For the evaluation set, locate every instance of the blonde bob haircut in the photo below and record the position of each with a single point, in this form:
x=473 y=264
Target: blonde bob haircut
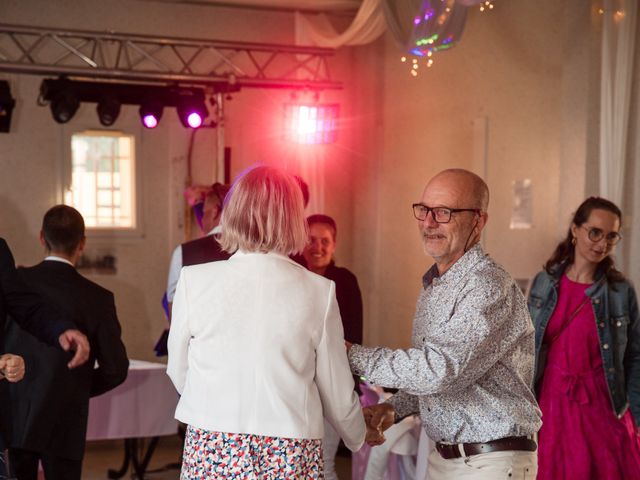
x=263 y=212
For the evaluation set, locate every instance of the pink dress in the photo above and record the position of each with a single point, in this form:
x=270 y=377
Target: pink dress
x=581 y=437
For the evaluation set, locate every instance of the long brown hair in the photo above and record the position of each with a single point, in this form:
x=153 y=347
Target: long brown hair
x=565 y=252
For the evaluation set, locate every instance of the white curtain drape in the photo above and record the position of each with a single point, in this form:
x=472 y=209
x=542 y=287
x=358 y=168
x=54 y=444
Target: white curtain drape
x=368 y=24
x=618 y=49
x=618 y=46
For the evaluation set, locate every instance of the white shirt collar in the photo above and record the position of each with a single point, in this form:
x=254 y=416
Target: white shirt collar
x=55 y=258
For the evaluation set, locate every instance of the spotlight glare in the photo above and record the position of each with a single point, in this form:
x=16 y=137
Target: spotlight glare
x=150 y=113
x=311 y=124
x=191 y=109
x=150 y=121
x=194 y=120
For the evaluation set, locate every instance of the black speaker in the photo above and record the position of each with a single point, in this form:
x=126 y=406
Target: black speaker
x=6 y=106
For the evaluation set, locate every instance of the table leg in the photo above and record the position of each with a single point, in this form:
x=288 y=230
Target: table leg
x=130 y=445
x=141 y=467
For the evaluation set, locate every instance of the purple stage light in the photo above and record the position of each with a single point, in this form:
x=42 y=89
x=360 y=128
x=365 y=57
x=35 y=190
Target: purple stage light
x=150 y=121
x=194 y=120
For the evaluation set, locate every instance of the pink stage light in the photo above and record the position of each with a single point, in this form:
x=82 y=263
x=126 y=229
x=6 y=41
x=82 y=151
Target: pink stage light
x=194 y=120
x=150 y=121
x=311 y=124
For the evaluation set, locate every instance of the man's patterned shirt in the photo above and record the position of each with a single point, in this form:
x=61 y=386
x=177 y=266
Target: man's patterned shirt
x=470 y=369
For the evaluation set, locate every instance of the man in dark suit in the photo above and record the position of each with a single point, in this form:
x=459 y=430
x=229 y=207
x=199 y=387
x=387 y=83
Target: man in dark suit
x=51 y=405
x=34 y=315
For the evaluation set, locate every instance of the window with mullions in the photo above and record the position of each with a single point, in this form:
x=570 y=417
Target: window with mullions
x=103 y=179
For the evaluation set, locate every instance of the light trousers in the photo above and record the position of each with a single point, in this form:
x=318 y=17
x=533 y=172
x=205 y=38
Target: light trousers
x=330 y=443
x=510 y=465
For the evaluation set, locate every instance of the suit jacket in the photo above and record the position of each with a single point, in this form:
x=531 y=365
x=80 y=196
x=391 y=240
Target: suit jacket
x=25 y=306
x=50 y=405
x=256 y=346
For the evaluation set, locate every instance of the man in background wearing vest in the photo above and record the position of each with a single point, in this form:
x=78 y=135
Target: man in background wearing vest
x=201 y=250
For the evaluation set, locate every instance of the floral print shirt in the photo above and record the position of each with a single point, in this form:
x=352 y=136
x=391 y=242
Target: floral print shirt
x=470 y=369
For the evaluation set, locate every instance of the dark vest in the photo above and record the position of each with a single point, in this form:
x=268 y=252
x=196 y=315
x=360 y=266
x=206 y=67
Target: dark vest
x=202 y=250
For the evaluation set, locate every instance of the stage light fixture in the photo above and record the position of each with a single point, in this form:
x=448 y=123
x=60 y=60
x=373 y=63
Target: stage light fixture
x=64 y=106
x=108 y=110
x=7 y=103
x=150 y=113
x=191 y=109
x=65 y=95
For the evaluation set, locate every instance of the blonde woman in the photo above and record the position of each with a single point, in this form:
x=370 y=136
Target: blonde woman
x=256 y=346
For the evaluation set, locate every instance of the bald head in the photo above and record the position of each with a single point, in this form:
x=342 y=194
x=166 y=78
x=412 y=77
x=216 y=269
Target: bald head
x=471 y=190
x=466 y=196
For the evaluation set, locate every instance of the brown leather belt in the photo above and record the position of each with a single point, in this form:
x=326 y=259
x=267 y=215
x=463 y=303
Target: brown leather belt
x=447 y=451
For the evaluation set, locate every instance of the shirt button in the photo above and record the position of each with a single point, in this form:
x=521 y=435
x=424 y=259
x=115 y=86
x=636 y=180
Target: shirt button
x=601 y=324
x=605 y=346
x=596 y=301
x=428 y=409
x=618 y=323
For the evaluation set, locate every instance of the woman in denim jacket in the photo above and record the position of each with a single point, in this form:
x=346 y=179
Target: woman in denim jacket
x=588 y=353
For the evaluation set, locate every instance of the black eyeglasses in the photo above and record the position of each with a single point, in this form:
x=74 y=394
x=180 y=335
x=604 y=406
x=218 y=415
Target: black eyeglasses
x=439 y=214
x=597 y=234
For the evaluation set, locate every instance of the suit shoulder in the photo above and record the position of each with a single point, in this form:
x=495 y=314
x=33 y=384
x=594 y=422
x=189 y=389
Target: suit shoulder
x=94 y=288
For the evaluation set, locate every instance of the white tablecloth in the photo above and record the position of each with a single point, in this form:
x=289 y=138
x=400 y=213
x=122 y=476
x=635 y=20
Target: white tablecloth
x=143 y=406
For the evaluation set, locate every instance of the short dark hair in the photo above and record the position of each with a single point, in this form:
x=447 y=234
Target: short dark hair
x=63 y=229
x=324 y=219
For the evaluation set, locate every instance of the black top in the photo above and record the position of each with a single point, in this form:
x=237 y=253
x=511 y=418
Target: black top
x=348 y=296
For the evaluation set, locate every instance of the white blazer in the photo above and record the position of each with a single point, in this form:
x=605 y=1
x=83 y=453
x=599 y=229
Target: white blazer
x=256 y=346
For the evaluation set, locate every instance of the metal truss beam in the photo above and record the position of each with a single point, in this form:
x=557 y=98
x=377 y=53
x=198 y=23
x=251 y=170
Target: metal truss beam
x=145 y=58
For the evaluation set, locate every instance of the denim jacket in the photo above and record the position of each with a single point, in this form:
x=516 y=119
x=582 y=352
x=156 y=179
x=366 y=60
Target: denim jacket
x=615 y=308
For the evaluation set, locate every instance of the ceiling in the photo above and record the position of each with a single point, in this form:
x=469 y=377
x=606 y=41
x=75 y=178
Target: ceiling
x=284 y=5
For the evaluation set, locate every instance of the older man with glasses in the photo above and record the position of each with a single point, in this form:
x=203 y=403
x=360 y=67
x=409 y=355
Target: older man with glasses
x=470 y=368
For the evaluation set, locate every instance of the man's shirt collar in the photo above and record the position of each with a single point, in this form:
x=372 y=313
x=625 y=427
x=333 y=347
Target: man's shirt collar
x=457 y=270
x=55 y=258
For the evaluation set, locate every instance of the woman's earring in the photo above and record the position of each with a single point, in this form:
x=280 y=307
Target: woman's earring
x=573 y=241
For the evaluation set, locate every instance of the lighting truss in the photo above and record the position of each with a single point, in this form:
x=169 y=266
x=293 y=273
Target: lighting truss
x=45 y=51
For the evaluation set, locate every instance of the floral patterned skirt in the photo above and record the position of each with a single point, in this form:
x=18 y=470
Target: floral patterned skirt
x=239 y=456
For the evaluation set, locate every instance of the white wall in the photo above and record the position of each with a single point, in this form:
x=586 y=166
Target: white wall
x=519 y=87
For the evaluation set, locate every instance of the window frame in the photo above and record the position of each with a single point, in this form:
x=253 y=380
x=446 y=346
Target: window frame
x=132 y=233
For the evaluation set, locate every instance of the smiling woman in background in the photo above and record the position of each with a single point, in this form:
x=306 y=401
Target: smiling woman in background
x=256 y=346
x=318 y=257
x=588 y=345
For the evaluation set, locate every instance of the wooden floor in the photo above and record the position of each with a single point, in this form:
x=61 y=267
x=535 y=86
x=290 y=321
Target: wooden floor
x=104 y=455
